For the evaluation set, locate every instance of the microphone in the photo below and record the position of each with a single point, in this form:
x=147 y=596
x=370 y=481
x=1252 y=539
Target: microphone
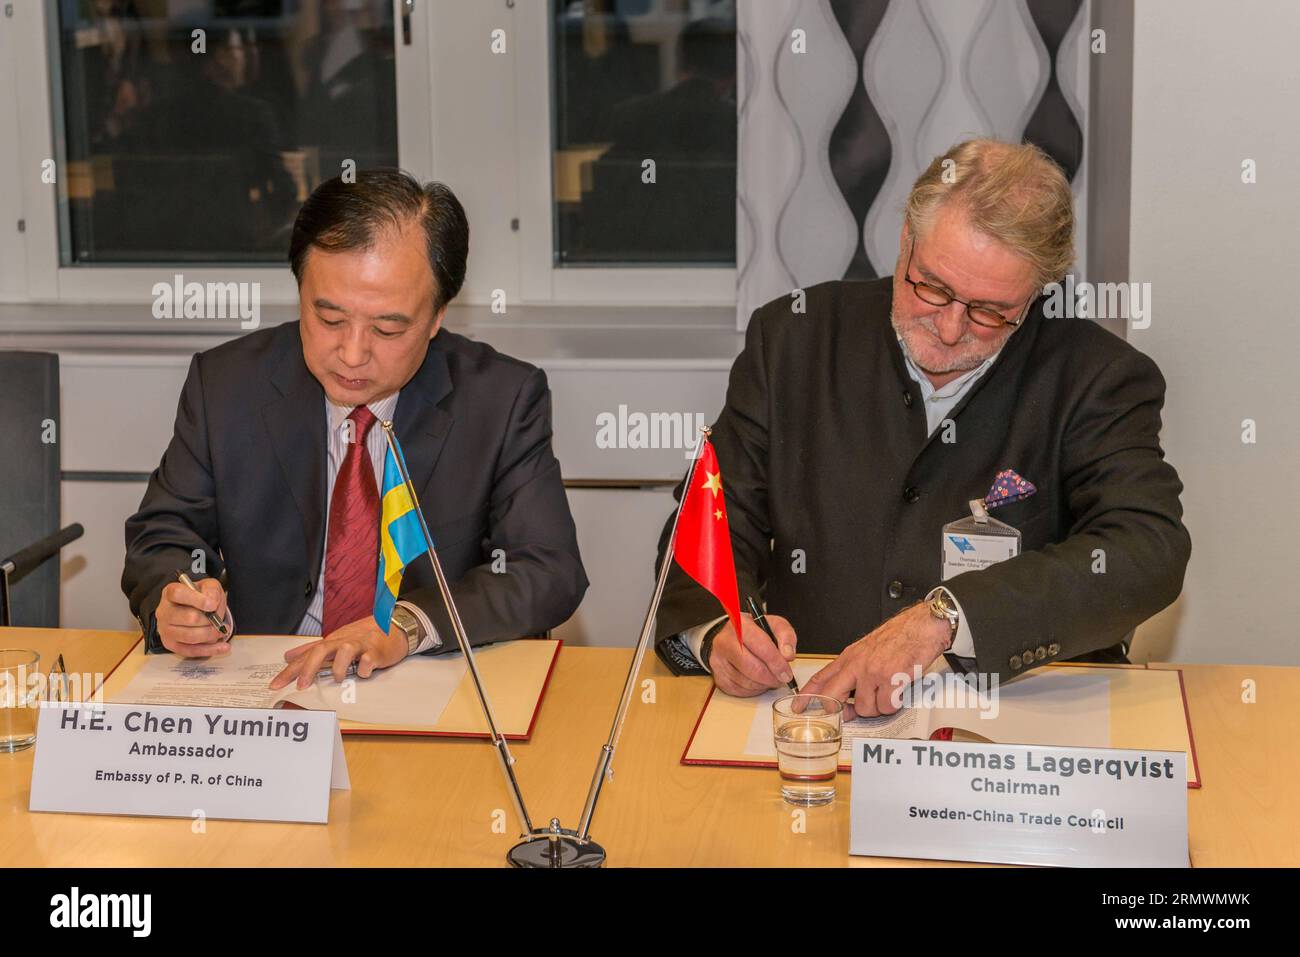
x=21 y=562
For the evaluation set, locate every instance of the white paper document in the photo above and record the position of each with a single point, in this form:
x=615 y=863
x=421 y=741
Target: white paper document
x=413 y=692
x=1060 y=707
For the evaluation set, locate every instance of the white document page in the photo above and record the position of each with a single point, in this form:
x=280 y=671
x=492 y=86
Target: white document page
x=1056 y=707
x=237 y=680
x=907 y=723
x=413 y=692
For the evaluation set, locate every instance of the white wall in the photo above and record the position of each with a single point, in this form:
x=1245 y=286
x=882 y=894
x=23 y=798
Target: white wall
x=1215 y=84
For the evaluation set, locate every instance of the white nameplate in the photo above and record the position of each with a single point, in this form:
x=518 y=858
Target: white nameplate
x=1018 y=804
x=235 y=763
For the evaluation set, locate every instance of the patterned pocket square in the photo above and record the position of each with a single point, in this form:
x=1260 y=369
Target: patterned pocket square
x=1009 y=486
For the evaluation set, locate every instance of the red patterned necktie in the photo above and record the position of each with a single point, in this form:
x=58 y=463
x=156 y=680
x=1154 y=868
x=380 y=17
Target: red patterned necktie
x=352 y=543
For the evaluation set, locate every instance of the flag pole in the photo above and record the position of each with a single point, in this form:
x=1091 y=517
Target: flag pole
x=564 y=848
x=458 y=628
x=603 y=764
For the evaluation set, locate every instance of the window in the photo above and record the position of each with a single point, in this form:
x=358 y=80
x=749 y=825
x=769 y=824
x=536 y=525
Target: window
x=192 y=135
x=170 y=160
x=644 y=115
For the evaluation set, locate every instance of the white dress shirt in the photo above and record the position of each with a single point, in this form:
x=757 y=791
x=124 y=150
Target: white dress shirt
x=938 y=404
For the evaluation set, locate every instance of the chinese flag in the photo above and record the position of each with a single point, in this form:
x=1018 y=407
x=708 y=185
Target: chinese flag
x=703 y=547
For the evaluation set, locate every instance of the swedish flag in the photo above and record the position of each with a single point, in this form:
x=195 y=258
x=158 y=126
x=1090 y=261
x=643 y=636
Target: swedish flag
x=400 y=540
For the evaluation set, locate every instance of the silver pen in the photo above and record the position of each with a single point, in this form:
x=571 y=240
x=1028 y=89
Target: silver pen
x=217 y=623
x=326 y=672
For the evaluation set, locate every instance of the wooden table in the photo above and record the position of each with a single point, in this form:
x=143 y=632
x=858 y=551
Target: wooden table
x=441 y=802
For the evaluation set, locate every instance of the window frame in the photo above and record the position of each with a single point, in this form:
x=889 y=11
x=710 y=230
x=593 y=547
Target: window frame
x=36 y=41
x=542 y=279
x=491 y=140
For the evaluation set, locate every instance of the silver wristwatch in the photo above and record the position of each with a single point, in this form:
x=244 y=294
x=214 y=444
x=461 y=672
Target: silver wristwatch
x=942 y=606
x=405 y=620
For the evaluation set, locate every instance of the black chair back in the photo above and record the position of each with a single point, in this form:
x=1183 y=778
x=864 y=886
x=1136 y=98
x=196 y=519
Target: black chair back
x=29 y=477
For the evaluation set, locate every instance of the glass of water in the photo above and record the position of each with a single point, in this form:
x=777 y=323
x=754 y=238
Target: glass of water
x=18 y=706
x=807 y=731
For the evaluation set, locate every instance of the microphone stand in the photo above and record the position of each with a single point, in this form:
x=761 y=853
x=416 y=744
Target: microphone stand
x=5 y=605
x=30 y=558
x=567 y=848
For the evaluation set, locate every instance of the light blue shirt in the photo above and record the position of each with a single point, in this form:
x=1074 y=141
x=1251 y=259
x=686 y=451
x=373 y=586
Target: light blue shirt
x=938 y=404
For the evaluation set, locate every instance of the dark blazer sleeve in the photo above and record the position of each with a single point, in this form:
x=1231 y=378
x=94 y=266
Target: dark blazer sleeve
x=1126 y=551
x=543 y=580
x=740 y=438
x=177 y=516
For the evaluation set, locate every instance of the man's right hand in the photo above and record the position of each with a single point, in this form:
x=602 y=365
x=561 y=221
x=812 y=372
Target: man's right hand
x=182 y=624
x=759 y=665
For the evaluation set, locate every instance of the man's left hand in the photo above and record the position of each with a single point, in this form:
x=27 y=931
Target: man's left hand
x=360 y=641
x=866 y=670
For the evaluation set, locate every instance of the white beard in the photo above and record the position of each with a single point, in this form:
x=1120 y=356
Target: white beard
x=920 y=339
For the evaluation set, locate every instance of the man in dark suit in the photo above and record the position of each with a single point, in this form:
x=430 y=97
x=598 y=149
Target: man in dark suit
x=854 y=433
x=270 y=484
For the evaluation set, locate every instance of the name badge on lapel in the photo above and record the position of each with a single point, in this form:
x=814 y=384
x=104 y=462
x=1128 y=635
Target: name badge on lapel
x=977 y=541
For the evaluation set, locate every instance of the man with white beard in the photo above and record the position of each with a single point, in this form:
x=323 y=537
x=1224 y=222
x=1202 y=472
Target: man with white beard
x=925 y=465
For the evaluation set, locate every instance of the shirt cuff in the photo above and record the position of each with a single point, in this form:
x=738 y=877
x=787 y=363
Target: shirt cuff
x=430 y=639
x=963 y=643
x=693 y=638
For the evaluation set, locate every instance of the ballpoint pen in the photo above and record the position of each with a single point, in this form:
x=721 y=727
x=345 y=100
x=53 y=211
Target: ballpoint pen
x=761 y=621
x=326 y=672
x=217 y=623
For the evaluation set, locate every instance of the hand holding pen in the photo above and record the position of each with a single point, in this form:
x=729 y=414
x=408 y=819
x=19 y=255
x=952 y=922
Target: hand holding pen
x=217 y=622
x=190 y=618
x=760 y=619
x=755 y=664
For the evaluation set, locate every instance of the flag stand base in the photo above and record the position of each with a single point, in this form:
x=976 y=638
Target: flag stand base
x=556 y=847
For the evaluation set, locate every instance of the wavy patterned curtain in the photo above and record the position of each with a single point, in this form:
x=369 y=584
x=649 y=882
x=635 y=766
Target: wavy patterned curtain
x=833 y=134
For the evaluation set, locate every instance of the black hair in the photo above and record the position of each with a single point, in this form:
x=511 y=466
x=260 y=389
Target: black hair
x=342 y=215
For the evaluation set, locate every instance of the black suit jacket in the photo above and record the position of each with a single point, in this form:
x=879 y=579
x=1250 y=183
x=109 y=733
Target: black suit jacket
x=824 y=449
x=244 y=481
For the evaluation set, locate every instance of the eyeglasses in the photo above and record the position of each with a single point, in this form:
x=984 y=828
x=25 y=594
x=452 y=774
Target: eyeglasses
x=938 y=296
